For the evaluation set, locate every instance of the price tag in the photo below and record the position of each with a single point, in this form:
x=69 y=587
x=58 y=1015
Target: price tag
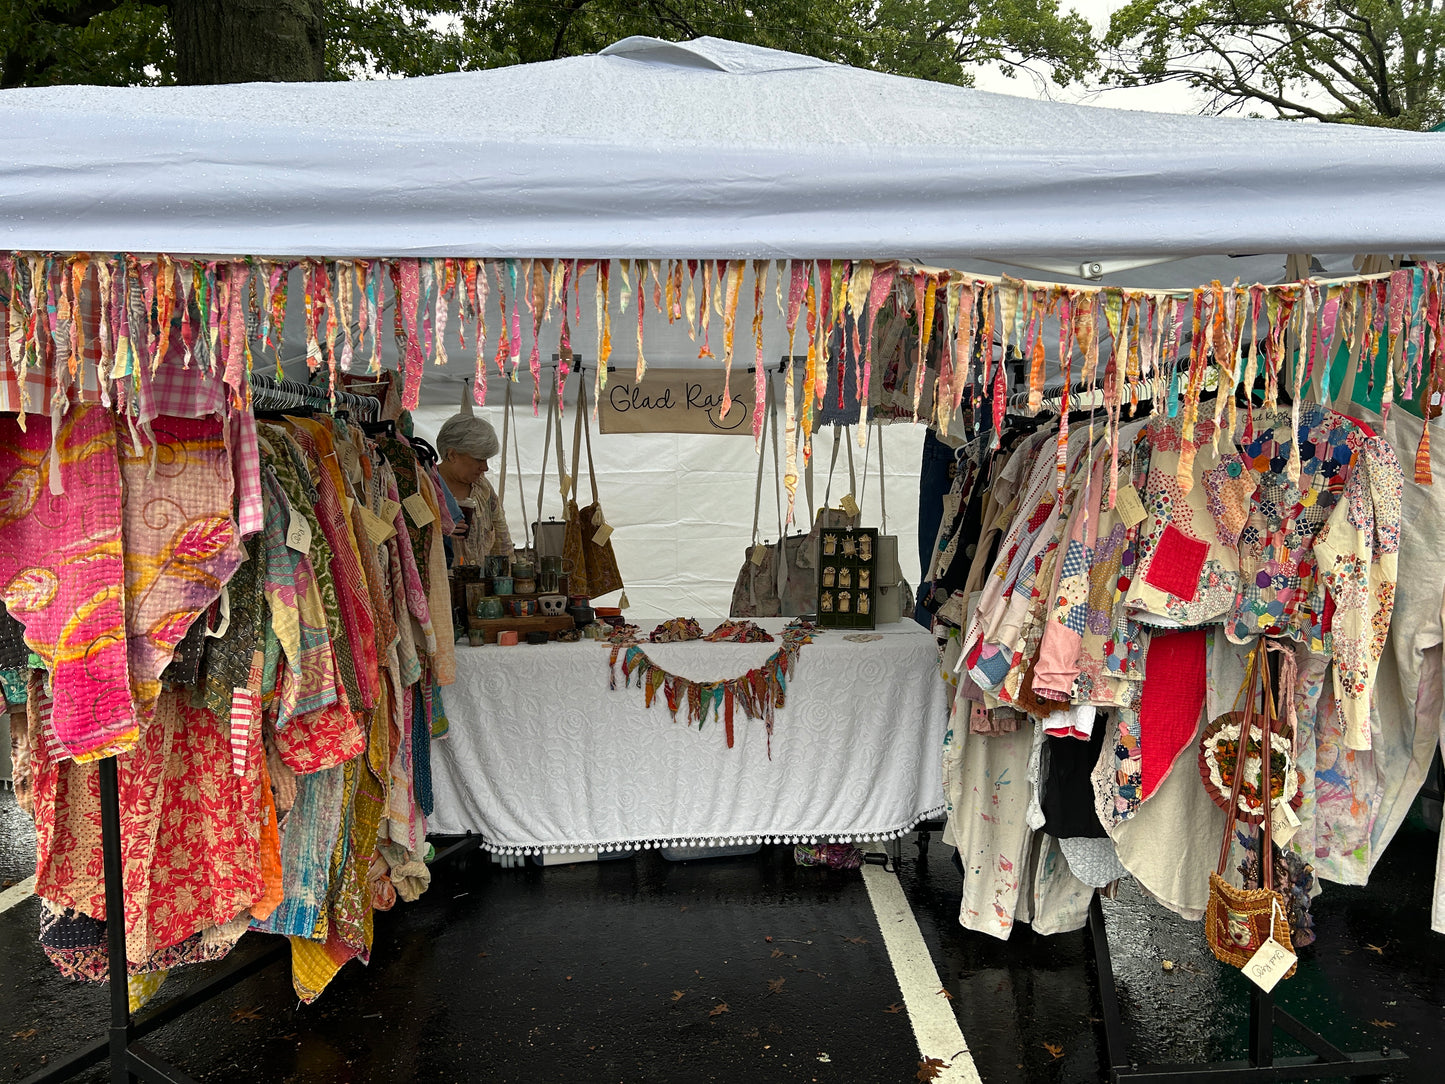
x=603 y=534
x=848 y=504
x=417 y=510
x=1284 y=824
x=298 y=533
x=566 y=484
x=1270 y=964
x=377 y=529
x=758 y=553
x=389 y=509
x=1131 y=508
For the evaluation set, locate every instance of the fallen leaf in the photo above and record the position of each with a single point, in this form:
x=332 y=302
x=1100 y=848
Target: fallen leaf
x=28 y=1033
x=894 y=1008
x=481 y=956
x=569 y=978
x=931 y=1068
x=1168 y=965
x=720 y=1007
x=823 y=1057
x=1383 y=1023
x=856 y=940
x=777 y=953
x=1379 y=949
x=769 y=940
x=240 y=1015
x=677 y=995
x=683 y=907
x=1054 y=1049
x=944 y=991
x=774 y=985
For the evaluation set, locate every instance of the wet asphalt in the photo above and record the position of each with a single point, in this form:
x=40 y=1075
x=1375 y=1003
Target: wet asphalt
x=751 y=968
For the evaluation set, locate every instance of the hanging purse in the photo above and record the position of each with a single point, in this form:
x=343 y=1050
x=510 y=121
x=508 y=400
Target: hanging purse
x=766 y=576
x=589 y=537
x=524 y=552
x=1249 y=927
x=895 y=596
x=549 y=536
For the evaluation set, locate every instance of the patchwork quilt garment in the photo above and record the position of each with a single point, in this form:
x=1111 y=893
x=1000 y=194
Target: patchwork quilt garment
x=62 y=574
x=181 y=543
x=192 y=826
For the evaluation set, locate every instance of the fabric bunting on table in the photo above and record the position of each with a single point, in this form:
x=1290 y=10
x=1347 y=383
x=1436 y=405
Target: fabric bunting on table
x=759 y=692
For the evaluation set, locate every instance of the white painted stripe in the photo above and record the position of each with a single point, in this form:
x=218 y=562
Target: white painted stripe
x=934 y=1024
x=16 y=894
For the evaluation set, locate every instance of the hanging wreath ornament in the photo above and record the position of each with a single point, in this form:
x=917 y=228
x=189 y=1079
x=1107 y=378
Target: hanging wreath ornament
x=1219 y=749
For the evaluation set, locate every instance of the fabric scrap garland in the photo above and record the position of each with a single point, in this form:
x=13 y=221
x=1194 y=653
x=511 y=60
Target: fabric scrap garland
x=760 y=691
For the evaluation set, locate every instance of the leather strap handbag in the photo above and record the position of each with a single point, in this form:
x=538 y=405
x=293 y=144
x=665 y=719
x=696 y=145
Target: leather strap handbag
x=1240 y=922
x=589 y=542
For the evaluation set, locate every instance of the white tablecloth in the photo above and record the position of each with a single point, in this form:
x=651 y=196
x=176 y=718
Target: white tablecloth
x=542 y=755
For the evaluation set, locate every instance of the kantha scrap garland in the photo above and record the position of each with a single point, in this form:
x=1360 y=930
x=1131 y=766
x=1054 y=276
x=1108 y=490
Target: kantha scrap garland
x=83 y=326
x=760 y=691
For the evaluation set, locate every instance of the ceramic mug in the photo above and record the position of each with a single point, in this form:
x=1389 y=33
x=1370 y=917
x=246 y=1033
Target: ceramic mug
x=502 y=585
x=507 y=638
x=521 y=570
x=498 y=566
x=547 y=581
x=553 y=605
x=489 y=608
x=523 y=586
x=524 y=607
x=556 y=563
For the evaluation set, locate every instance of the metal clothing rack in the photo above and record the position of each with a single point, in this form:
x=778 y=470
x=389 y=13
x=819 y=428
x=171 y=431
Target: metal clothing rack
x=130 y=1059
x=1326 y=1060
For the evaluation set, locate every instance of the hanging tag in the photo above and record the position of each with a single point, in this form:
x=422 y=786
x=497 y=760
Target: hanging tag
x=298 y=533
x=1270 y=964
x=758 y=553
x=566 y=485
x=417 y=510
x=1284 y=824
x=598 y=521
x=225 y=613
x=848 y=504
x=377 y=529
x=1130 y=507
x=603 y=534
x=389 y=509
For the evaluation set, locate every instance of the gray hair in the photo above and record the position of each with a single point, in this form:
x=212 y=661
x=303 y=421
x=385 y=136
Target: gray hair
x=469 y=435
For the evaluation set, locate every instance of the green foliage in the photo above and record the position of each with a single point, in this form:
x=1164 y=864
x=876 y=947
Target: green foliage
x=116 y=43
x=1372 y=62
x=128 y=42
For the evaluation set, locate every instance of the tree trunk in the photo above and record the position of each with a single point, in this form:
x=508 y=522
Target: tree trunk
x=245 y=41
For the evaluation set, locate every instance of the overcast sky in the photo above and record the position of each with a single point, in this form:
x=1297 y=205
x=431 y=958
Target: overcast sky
x=1169 y=98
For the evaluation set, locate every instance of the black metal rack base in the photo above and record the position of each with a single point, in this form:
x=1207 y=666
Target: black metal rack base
x=130 y=1060
x=1265 y=1016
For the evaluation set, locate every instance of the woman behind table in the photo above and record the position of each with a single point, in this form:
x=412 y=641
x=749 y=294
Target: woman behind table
x=465 y=443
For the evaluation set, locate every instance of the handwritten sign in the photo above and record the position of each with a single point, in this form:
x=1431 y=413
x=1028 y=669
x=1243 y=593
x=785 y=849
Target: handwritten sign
x=677 y=401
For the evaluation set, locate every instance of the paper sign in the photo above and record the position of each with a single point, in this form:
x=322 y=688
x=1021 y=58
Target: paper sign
x=389 y=509
x=848 y=504
x=675 y=401
x=1284 y=824
x=1270 y=964
x=566 y=484
x=417 y=510
x=603 y=534
x=758 y=553
x=298 y=533
x=377 y=529
x=1131 y=508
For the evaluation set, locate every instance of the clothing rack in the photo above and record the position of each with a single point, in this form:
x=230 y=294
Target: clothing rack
x=1265 y=1016
x=130 y=1060
x=271 y=394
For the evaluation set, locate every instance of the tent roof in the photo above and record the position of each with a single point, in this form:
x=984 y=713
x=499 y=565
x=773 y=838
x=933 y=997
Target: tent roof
x=707 y=148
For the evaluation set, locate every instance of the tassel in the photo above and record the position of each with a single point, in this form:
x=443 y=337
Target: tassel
x=1422 y=455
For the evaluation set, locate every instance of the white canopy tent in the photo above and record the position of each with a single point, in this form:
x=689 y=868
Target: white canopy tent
x=705 y=149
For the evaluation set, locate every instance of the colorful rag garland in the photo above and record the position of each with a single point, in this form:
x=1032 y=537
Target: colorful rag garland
x=94 y=327
x=760 y=691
